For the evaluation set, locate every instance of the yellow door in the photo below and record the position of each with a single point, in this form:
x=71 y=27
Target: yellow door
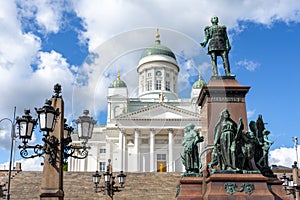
x=161 y=166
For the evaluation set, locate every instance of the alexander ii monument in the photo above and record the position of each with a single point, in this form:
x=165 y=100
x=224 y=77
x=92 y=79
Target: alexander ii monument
x=234 y=162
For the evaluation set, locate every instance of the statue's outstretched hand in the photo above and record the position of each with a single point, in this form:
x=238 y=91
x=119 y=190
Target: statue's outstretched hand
x=203 y=44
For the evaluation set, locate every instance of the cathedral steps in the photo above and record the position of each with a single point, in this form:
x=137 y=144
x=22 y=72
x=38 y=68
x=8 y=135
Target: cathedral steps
x=79 y=186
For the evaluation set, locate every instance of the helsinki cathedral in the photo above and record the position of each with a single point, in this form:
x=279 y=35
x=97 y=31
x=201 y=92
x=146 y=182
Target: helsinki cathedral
x=144 y=133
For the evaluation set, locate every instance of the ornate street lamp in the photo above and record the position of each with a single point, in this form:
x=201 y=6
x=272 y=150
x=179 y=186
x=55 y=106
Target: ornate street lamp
x=96 y=178
x=121 y=178
x=68 y=130
x=26 y=125
x=57 y=141
x=47 y=116
x=85 y=125
x=108 y=186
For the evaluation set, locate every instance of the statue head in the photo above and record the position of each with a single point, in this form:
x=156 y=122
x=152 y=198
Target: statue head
x=225 y=114
x=266 y=132
x=188 y=127
x=214 y=20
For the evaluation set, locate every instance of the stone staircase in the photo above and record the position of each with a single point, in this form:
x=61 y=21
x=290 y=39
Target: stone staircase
x=79 y=186
x=4 y=181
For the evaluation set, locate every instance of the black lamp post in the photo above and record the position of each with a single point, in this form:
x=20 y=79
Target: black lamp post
x=47 y=116
x=108 y=186
x=13 y=126
x=57 y=142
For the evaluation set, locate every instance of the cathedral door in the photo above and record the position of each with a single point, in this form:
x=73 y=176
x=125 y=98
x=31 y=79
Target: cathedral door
x=161 y=163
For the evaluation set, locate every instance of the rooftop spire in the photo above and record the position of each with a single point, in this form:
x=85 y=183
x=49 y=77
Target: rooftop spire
x=119 y=76
x=157 y=36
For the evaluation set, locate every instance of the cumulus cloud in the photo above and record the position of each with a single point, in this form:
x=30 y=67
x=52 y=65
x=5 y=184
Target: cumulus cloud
x=183 y=16
x=47 y=14
x=283 y=156
x=33 y=164
x=248 y=64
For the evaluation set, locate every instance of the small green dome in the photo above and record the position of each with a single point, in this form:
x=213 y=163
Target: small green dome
x=199 y=84
x=118 y=83
x=158 y=49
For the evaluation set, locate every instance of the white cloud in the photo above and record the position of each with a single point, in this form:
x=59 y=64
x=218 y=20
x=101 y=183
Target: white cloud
x=248 y=64
x=250 y=113
x=109 y=17
x=46 y=14
x=32 y=164
x=283 y=156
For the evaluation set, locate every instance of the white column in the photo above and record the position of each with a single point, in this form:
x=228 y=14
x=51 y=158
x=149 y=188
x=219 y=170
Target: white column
x=121 y=150
x=144 y=163
x=152 y=141
x=108 y=154
x=76 y=161
x=171 y=160
x=108 y=112
x=137 y=148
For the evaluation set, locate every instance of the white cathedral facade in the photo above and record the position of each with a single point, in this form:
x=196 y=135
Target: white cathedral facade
x=144 y=134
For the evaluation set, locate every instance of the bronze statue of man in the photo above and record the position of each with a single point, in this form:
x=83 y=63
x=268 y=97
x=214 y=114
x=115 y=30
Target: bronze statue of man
x=218 y=45
x=190 y=159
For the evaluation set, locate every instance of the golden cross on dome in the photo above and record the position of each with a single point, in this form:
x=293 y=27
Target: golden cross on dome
x=119 y=76
x=157 y=34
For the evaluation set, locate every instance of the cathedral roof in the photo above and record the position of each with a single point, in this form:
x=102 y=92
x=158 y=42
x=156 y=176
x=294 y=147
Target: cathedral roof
x=118 y=83
x=158 y=49
x=199 y=83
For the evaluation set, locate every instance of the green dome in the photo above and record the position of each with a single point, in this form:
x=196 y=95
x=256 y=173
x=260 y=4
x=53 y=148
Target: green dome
x=118 y=83
x=158 y=49
x=199 y=84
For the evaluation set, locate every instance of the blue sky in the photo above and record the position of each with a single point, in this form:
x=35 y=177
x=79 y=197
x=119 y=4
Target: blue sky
x=50 y=41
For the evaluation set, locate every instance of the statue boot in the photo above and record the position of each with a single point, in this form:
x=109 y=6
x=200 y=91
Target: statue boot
x=226 y=64
x=214 y=64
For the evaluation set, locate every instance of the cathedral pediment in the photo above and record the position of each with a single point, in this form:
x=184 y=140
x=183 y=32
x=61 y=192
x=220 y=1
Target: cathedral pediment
x=160 y=111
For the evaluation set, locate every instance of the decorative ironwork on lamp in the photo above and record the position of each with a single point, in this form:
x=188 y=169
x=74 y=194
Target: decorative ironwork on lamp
x=108 y=186
x=85 y=126
x=47 y=116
